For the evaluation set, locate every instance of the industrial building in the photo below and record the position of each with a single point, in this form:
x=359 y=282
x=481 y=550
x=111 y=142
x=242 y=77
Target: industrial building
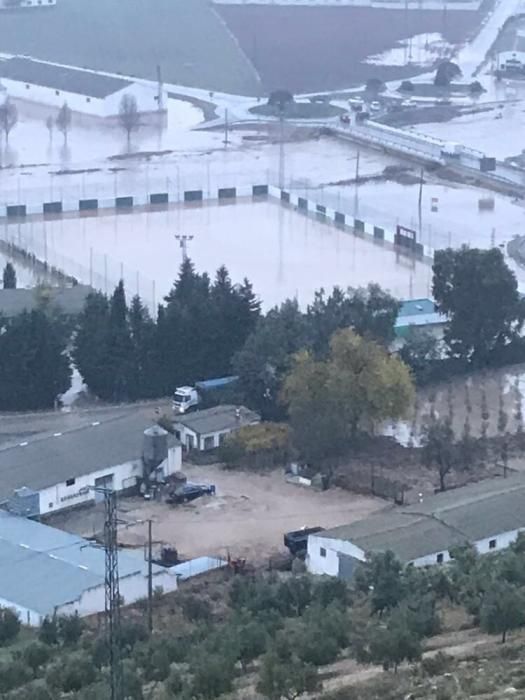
x=488 y=515
x=85 y=92
x=422 y=314
x=48 y=472
x=45 y=571
x=205 y=430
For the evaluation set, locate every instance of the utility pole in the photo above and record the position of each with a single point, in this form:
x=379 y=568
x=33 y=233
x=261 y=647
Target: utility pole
x=160 y=87
x=150 y=576
x=356 y=194
x=112 y=593
x=226 y=129
x=183 y=244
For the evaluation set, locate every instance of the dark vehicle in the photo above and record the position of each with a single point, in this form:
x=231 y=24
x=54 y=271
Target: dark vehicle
x=297 y=540
x=189 y=492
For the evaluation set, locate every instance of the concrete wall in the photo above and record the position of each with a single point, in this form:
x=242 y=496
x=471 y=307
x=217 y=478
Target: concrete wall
x=379 y=4
x=27 y=616
x=145 y=95
x=61 y=496
x=125 y=476
x=132 y=588
x=329 y=564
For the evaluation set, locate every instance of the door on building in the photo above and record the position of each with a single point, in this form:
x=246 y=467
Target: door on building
x=103 y=482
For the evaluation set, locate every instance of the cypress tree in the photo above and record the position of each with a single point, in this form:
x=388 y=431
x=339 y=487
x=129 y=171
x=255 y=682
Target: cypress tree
x=9 y=276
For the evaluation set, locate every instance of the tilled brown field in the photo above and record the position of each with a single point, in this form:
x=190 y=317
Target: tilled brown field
x=306 y=49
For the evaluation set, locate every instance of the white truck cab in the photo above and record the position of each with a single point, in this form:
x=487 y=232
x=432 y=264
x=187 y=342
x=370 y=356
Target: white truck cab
x=184 y=398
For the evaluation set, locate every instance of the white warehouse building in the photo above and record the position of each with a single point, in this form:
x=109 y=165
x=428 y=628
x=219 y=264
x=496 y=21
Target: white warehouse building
x=488 y=515
x=48 y=472
x=45 y=571
x=86 y=92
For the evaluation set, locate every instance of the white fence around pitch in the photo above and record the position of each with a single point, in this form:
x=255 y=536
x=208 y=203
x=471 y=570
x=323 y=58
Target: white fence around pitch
x=442 y=5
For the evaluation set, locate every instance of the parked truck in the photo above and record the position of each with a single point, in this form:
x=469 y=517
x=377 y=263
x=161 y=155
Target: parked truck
x=186 y=398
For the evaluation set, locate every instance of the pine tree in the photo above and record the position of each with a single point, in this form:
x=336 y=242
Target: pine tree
x=145 y=376
x=34 y=365
x=119 y=347
x=90 y=344
x=9 y=276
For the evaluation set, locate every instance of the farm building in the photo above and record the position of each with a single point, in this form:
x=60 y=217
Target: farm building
x=46 y=571
x=419 y=313
x=489 y=515
x=86 y=92
x=50 y=472
x=205 y=430
x=66 y=300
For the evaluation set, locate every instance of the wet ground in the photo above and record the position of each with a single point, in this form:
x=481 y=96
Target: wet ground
x=282 y=252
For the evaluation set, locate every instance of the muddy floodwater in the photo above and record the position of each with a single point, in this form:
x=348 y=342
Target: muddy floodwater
x=282 y=252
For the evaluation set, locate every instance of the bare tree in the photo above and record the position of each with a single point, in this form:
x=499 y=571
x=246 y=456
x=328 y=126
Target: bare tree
x=8 y=117
x=128 y=115
x=50 y=125
x=63 y=120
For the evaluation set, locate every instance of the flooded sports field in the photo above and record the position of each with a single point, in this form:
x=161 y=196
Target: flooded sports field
x=282 y=252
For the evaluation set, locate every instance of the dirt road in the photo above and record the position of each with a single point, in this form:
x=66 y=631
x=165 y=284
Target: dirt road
x=248 y=515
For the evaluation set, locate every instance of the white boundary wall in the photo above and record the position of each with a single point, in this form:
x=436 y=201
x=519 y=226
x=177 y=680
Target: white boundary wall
x=375 y=4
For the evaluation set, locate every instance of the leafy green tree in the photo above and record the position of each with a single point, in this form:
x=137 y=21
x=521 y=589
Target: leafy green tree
x=36 y=654
x=420 y=352
x=267 y=356
x=34 y=366
x=70 y=628
x=252 y=639
x=447 y=72
x=9 y=626
x=48 y=632
x=393 y=642
x=357 y=387
x=503 y=609
x=212 y=676
x=153 y=658
x=9 y=276
x=479 y=294
x=71 y=673
x=35 y=690
x=439 y=449
x=63 y=120
x=13 y=674
x=381 y=578
x=370 y=312
x=286 y=679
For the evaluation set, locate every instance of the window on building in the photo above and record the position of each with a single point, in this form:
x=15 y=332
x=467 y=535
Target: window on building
x=88 y=99
x=27 y=86
x=492 y=544
x=49 y=505
x=57 y=92
x=70 y=482
x=322 y=551
x=439 y=558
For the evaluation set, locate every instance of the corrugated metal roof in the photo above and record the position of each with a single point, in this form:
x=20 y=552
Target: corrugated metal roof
x=49 y=459
x=42 y=568
x=217 y=419
x=50 y=75
x=415 y=307
x=468 y=514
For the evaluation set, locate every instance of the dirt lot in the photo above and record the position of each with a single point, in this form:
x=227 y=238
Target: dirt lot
x=248 y=516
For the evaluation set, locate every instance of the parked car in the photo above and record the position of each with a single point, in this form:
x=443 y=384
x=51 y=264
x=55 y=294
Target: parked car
x=190 y=492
